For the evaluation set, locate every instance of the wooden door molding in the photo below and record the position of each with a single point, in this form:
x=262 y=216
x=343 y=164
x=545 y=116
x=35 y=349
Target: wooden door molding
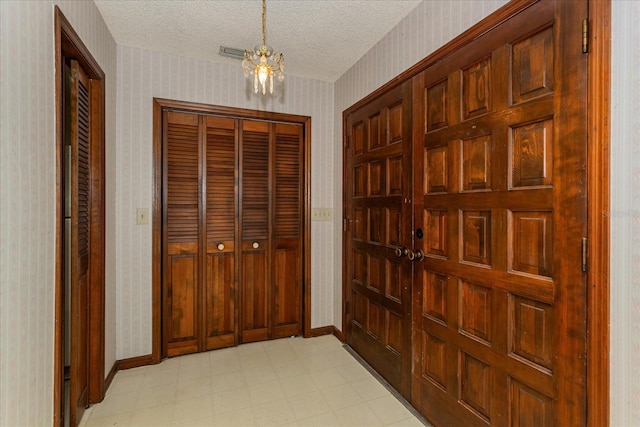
x=69 y=45
x=160 y=105
x=598 y=134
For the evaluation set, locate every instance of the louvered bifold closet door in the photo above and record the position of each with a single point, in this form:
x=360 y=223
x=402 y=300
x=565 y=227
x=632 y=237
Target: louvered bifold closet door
x=287 y=231
x=221 y=206
x=80 y=235
x=182 y=226
x=254 y=216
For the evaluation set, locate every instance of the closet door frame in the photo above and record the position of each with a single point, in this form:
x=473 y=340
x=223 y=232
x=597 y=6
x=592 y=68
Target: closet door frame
x=159 y=106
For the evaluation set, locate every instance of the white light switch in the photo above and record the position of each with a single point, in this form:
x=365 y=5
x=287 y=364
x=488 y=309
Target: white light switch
x=142 y=216
x=321 y=214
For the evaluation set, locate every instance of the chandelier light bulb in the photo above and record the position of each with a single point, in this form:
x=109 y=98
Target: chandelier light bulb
x=263 y=73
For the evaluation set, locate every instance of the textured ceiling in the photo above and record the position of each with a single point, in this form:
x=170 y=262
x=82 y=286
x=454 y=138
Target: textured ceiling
x=320 y=39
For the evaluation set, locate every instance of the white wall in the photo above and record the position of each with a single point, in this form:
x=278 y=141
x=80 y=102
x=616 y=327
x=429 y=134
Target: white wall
x=625 y=214
x=429 y=26
x=143 y=75
x=27 y=199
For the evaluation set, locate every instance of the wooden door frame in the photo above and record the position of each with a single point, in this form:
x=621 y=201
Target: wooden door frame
x=69 y=45
x=598 y=185
x=160 y=104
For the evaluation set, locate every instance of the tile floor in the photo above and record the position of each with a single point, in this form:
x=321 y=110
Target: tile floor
x=286 y=382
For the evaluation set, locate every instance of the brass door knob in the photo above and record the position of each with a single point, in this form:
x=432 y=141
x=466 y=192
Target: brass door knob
x=400 y=252
x=416 y=255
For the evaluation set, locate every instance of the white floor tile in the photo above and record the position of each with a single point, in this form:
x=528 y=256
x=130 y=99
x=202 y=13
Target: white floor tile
x=193 y=409
x=159 y=415
x=292 y=382
x=323 y=420
x=116 y=404
x=161 y=395
x=194 y=388
x=266 y=392
x=160 y=377
x=231 y=400
x=370 y=389
x=126 y=383
x=341 y=396
x=295 y=386
x=236 y=418
x=274 y=414
x=309 y=405
x=119 y=420
x=228 y=381
x=358 y=416
x=353 y=372
x=389 y=409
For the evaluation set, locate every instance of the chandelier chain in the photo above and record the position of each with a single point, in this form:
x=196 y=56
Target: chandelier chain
x=264 y=22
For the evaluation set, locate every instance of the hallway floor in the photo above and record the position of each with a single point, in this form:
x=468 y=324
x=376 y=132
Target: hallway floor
x=286 y=382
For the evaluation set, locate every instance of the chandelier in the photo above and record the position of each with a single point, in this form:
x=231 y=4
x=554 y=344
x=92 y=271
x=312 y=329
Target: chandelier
x=262 y=62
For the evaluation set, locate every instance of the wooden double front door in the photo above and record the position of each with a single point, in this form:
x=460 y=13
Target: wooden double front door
x=232 y=231
x=466 y=221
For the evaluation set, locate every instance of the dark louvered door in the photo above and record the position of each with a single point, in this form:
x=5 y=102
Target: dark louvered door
x=182 y=190
x=287 y=231
x=254 y=238
x=233 y=239
x=221 y=206
x=80 y=196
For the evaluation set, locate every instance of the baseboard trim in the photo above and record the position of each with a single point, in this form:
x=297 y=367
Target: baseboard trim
x=318 y=332
x=338 y=334
x=135 y=362
x=112 y=373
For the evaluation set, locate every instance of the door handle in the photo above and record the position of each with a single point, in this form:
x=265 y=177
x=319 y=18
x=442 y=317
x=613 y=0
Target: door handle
x=404 y=251
x=416 y=255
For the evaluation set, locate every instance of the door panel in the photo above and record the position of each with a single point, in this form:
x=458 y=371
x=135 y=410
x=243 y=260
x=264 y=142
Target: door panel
x=378 y=165
x=499 y=300
x=182 y=272
x=220 y=301
x=255 y=231
x=287 y=231
x=255 y=292
x=287 y=302
x=80 y=239
x=181 y=234
x=221 y=207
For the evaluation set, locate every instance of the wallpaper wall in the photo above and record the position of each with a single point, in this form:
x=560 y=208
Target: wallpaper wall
x=27 y=200
x=143 y=75
x=430 y=25
x=27 y=185
x=625 y=214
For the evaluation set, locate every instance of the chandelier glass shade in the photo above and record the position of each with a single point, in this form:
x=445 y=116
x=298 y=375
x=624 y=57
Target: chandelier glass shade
x=262 y=62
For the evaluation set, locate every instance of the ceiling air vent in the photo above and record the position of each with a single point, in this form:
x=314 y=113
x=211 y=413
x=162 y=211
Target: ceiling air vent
x=231 y=52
